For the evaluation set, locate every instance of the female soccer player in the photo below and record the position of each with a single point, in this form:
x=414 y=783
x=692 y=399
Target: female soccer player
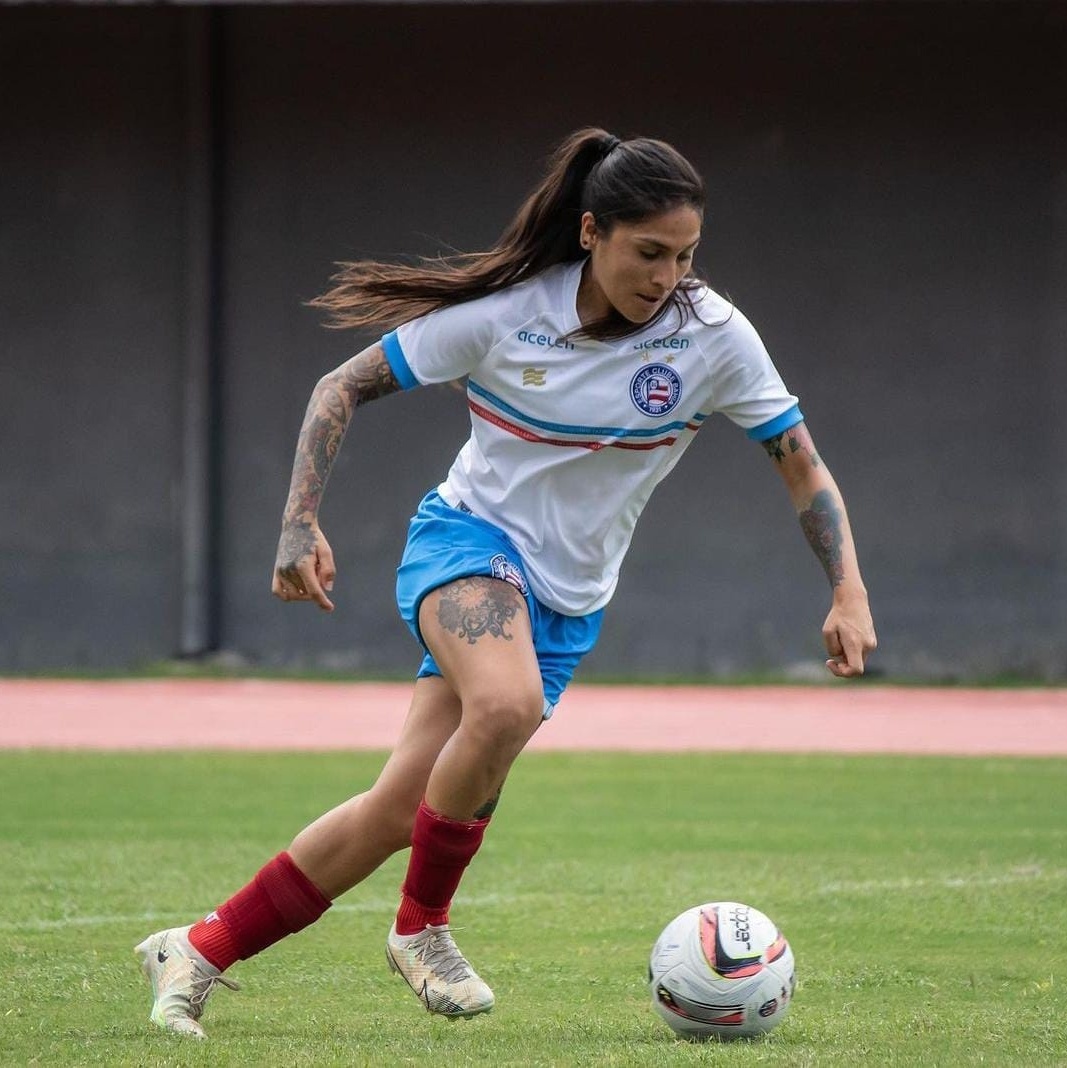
x=592 y=356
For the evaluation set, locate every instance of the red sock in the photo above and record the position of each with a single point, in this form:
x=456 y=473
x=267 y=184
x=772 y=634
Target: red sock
x=441 y=849
x=279 y=901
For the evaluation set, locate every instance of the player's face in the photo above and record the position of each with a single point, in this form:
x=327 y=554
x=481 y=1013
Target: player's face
x=634 y=266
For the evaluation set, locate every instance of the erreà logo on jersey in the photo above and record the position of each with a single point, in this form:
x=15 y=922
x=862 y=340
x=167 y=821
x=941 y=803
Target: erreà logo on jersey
x=656 y=389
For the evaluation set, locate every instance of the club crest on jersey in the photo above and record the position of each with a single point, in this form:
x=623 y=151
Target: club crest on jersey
x=503 y=568
x=656 y=389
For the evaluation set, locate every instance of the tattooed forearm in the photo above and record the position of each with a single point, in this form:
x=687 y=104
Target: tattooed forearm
x=474 y=607
x=796 y=439
x=363 y=378
x=821 y=523
x=320 y=440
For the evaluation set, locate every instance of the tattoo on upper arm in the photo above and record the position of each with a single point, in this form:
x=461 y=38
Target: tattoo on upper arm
x=368 y=377
x=774 y=447
x=821 y=523
x=473 y=607
x=797 y=439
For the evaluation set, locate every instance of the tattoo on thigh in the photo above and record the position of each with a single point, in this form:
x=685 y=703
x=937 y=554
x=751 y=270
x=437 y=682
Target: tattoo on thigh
x=489 y=807
x=474 y=607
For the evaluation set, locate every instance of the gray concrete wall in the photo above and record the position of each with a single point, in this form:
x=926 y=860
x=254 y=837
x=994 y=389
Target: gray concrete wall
x=91 y=323
x=888 y=204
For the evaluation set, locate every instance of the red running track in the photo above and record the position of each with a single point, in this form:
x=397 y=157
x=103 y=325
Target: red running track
x=258 y=714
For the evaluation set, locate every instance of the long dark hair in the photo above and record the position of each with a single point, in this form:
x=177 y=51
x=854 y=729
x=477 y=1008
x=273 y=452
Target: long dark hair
x=618 y=181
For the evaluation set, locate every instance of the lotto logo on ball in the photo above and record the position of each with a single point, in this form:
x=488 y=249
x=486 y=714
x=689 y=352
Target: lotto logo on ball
x=721 y=970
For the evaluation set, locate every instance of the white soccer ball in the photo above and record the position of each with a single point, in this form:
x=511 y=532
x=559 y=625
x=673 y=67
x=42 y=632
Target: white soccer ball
x=721 y=970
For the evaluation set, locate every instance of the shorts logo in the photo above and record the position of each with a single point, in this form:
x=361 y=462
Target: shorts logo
x=503 y=568
x=656 y=389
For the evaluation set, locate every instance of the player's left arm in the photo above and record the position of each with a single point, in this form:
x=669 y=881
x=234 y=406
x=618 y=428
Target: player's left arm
x=849 y=629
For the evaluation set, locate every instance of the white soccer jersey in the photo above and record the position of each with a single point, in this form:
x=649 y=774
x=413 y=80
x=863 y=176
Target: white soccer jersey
x=570 y=437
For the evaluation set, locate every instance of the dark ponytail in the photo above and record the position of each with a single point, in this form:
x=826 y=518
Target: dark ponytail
x=618 y=181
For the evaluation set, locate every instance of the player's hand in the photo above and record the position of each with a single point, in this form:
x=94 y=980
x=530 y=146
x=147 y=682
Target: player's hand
x=849 y=635
x=304 y=568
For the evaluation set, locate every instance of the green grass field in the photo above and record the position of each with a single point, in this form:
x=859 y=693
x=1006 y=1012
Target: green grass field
x=925 y=899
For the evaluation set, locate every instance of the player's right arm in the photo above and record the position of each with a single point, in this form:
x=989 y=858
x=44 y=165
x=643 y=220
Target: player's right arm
x=304 y=568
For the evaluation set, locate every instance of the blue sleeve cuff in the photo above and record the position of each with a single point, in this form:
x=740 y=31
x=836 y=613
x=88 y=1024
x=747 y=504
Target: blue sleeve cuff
x=398 y=361
x=777 y=425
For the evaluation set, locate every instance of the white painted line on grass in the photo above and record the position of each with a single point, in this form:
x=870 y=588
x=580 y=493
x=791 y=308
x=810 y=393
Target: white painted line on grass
x=84 y=921
x=1032 y=874
x=382 y=905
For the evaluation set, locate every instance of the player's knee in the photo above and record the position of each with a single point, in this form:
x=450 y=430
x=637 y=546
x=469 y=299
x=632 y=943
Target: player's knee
x=400 y=824
x=503 y=720
x=394 y=816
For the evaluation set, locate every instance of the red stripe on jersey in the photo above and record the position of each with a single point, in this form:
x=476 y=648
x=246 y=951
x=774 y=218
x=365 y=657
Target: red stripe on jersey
x=594 y=446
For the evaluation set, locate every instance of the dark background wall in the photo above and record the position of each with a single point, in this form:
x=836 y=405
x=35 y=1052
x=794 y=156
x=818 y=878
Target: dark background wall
x=888 y=203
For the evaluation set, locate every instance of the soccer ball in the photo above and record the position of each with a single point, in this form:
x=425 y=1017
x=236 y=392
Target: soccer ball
x=721 y=970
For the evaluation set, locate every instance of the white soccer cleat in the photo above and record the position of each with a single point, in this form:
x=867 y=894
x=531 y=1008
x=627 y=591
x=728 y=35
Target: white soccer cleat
x=181 y=980
x=432 y=965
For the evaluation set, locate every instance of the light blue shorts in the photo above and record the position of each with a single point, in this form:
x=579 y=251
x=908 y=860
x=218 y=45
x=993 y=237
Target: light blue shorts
x=445 y=544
